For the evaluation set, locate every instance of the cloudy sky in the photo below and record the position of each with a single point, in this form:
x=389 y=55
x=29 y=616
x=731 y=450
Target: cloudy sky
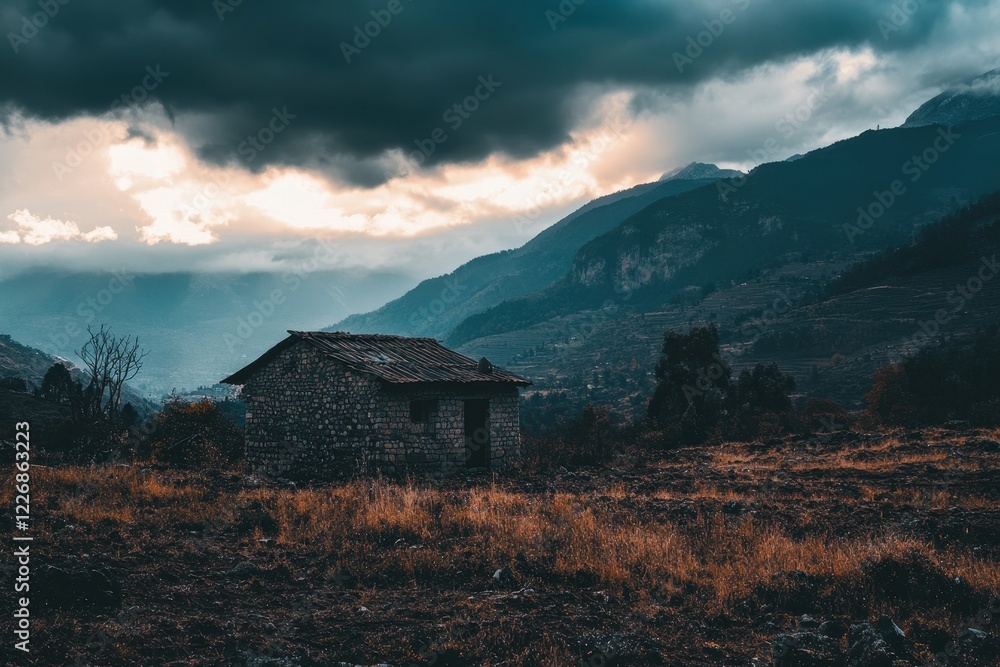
x=416 y=134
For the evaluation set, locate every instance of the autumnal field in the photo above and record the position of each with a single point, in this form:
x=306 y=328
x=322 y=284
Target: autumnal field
x=698 y=556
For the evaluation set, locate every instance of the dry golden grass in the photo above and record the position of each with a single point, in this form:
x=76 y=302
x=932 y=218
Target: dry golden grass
x=707 y=530
x=372 y=523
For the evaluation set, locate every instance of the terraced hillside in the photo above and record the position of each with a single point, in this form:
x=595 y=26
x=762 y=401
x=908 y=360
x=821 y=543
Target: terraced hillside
x=719 y=234
x=608 y=355
x=830 y=338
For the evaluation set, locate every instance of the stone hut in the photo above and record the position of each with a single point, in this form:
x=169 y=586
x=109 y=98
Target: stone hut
x=327 y=404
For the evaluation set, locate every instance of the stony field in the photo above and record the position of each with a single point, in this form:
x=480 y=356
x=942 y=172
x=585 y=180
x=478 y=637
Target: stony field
x=727 y=555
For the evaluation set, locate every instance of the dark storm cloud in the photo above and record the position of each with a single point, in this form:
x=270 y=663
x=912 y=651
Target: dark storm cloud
x=135 y=132
x=260 y=60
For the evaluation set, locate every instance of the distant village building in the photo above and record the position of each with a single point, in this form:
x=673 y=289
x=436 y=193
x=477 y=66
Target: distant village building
x=330 y=403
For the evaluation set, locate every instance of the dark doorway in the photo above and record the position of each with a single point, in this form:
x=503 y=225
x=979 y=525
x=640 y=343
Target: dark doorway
x=477 y=433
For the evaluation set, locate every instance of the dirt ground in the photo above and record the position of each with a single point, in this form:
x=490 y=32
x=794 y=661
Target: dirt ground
x=699 y=556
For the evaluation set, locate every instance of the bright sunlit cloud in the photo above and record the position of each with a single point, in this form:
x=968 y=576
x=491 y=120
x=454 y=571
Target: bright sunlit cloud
x=35 y=231
x=134 y=159
x=143 y=189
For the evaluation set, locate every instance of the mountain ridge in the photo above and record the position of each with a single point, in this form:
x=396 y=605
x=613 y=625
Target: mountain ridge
x=973 y=99
x=435 y=306
x=697 y=170
x=716 y=234
x=669 y=257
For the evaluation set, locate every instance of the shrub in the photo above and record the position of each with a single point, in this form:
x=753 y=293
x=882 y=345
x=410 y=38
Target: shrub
x=589 y=439
x=14 y=384
x=824 y=414
x=96 y=442
x=694 y=384
x=195 y=434
x=764 y=389
x=938 y=384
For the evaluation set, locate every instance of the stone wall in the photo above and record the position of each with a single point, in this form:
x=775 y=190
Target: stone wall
x=307 y=412
x=439 y=446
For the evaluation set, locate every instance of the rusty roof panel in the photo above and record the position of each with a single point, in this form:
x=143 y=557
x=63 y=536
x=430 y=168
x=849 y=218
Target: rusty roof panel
x=393 y=359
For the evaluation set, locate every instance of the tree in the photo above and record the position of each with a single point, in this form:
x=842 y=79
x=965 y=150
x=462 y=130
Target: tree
x=694 y=381
x=952 y=380
x=824 y=414
x=58 y=384
x=111 y=361
x=764 y=389
x=761 y=403
x=890 y=399
x=193 y=434
x=129 y=415
x=696 y=397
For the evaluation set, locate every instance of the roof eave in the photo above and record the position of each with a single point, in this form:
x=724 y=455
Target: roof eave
x=244 y=374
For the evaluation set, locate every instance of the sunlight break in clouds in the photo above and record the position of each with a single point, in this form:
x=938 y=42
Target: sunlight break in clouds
x=34 y=230
x=183 y=201
x=160 y=183
x=186 y=201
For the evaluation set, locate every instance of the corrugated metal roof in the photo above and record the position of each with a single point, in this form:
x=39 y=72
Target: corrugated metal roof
x=394 y=359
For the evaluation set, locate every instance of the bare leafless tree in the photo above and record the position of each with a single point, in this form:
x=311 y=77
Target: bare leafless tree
x=111 y=361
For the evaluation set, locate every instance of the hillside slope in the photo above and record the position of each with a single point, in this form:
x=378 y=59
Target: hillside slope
x=435 y=306
x=21 y=361
x=971 y=100
x=827 y=322
x=29 y=364
x=944 y=286
x=722 y=233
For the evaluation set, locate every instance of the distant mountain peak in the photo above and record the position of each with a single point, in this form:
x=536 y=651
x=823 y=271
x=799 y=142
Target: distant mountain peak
x=698 y=170
x=973 y=99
